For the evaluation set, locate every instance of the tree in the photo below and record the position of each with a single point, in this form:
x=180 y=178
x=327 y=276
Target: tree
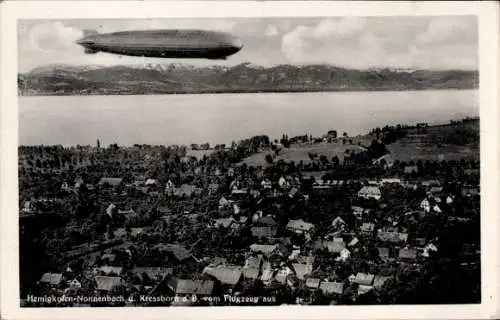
x=333 y=134
x=269 y=158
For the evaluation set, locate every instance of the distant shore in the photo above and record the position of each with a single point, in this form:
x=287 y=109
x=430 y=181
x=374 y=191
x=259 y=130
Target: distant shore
x=242 y=91
x=63 y=80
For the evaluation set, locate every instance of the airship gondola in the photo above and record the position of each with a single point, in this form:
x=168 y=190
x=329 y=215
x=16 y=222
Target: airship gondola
x=171 y=43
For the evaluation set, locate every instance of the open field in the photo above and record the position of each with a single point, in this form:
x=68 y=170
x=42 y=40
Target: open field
x=430 y=145
x=300 y=152
x=407 y=151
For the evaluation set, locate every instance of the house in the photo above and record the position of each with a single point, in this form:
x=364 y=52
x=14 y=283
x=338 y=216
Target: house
x=266 y=249
x=164 y=210
x=302 y=269
x=108 y=258
x=213 y=187
x=332 y=288
x=129 y=212
x=393 y=237
x=267 y=273
x=363 y=289
x=437 y=209
x=187 y=190
x=150 y=182
x=407 y=254
x=169 y=186
x=107 y=270
x=266 y=184
x=251 y=270
x=449 y=199
x=370 y=192
x=471 y=172
x=153 y=273
x=106 y=284
x=223 y=222
x=410 y=169
x=383 y=253
x=323 y=190
x=378 y=281
x=28 y=207
x=367 y=227
x=430 y=183
x=223 y=203
x=391 y=181
x=428 y=249
x=283 y=183
x=255 y=193
x=312 y=283
x=386 y=160
x=110 y=210
x=113 y=182
x=299 y=226
x=435 y=189
x=334 y=246
x=293 y=192
x=74 y=284
x=344 y=255
x=227 y=274
x=469 y=191
x=52 y=279
x=282 y=274
x=425 y=205
x=122 y=232
x=178 y=252
x=338 y=223
x=267 y=221
x=78 y=183
x=364 y=279
x=183 y=287
x=420 y=242
x=358 y=211
x=353 y=242
x=217 y=261
x=263 y=232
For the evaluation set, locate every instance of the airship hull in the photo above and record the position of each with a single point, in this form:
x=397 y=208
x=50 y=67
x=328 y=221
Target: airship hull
x=164 y=44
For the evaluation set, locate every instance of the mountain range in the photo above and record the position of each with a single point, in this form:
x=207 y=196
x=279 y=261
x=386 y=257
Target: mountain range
x=176 y=78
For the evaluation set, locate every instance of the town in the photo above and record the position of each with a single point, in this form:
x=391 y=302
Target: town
x=152 y=225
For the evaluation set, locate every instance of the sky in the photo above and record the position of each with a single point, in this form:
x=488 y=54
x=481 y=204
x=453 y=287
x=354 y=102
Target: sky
x=412 y=42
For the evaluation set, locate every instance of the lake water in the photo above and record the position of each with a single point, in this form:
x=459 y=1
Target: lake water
x=221 y=118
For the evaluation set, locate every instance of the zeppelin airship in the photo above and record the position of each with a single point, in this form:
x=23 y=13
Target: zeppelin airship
x=171 y=43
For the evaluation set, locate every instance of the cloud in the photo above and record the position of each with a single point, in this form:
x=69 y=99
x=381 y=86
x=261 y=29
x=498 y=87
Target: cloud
x=445 y=30
x=49 y=37
x=341 y=29
x=271 y=31
x=352 y=42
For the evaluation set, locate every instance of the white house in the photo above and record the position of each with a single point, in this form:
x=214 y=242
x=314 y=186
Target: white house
x=299 y=226
x=344 y=255
x=449 y=200
x=282 y=182
x=425 y=205
x=223 y=202
x=437 y=209
x=75 y=284
x=109 y=210
x=391 y=181
x=370 y=192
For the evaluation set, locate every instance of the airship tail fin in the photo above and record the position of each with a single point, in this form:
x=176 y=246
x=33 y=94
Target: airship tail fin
x=88 y=32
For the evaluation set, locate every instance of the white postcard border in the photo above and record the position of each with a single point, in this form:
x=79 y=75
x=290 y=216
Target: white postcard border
x=487 y=13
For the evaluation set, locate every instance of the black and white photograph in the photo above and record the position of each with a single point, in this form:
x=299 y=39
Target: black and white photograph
x=249 y=161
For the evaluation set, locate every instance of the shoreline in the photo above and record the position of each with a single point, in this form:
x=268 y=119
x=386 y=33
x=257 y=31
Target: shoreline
x=250 y=91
